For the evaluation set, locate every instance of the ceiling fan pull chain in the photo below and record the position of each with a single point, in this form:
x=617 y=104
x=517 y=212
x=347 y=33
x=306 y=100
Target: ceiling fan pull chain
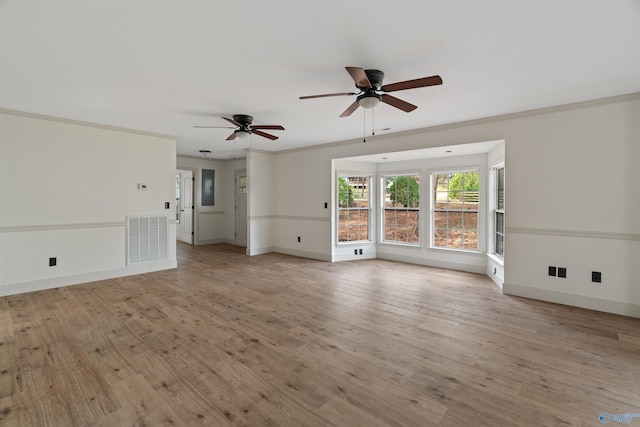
x=364 y=125
x=373 y=122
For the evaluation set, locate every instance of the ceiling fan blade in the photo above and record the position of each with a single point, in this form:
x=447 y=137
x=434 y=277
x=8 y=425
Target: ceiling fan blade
x=275 y=127
x=359 y=76
x=232 y=121
x=398 y=103
x=214 y=127
x=412 y=84
x=264 y=134
x=328 y=94
x=231 y=137
x=353 y=107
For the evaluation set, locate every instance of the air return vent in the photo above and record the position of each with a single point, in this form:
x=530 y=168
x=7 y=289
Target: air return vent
x=147 y=239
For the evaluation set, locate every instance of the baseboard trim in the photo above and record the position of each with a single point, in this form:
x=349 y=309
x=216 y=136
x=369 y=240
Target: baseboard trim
x=215 y=241
x=582 y=301
x=458 y=266
x=57 y=282
x=260 y=251
x=304 y=254
x=497 y=279
x=351 y=257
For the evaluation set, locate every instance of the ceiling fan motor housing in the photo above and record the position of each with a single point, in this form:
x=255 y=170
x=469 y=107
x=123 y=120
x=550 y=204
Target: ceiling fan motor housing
x=243 y=119
x=375 y=78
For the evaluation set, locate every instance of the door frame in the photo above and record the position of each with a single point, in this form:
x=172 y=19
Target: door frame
x=194 y=210
x=236 y=174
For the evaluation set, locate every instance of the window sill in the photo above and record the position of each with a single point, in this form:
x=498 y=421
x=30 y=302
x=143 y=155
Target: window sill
x=401 y=244
x=496 y=259
x=353 y=242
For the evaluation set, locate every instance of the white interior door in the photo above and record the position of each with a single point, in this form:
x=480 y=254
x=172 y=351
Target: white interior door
x=185 y=230
x=241 y=207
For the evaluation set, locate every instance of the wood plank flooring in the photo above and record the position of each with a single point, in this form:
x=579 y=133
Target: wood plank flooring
x=276 y=340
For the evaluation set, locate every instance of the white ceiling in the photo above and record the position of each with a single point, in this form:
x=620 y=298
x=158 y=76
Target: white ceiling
x=164 y=66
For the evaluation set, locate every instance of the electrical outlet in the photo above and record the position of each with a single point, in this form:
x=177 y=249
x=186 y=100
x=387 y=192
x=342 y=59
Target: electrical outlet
x=298 y=239
x=562 y=272
x=53 y=262
x=552 y=271
x=355 y=252
x=596 y=277
x=326 y=205
x=166 y=205
x=359 y=251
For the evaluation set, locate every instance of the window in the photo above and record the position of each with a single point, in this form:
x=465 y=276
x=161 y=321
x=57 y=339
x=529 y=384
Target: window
x=401 y=217
x=353 y=208
x=208 y=179
x=455 y=210
x=499 y=213
x=178 y=188
x=242 y=184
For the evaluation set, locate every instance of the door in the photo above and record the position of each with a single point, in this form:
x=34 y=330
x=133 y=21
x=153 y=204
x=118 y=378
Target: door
x=185 y=206
x=241 y=207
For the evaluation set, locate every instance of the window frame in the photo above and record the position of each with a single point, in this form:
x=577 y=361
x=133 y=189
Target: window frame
x=370 y=183
x=241 y=187
x=498 y=211
x=208 y=186
x=382 y=180
x=432 y=211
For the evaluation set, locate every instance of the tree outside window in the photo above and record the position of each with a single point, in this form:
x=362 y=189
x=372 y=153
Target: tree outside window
x=455 y=213
x=353 y=208
x=401 y=217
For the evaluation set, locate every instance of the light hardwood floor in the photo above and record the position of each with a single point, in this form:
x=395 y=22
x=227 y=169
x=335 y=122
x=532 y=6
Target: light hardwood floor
x=277 y=340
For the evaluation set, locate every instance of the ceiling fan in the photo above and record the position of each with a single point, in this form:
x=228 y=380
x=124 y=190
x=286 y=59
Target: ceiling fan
x=243 y=127
x=369 y=82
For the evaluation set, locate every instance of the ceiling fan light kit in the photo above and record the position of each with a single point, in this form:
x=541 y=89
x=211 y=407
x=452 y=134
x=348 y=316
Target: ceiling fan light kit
x=242 y=134
x=369 y=101
x=369 y=82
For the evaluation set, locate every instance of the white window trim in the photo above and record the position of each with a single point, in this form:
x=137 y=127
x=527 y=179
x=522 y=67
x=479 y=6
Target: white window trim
x=492 y=210
x=370 y=229
x=381 y=210
x=482 y=199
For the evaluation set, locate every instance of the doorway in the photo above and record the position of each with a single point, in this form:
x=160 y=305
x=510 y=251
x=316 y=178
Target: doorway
x=241 y=188
x=184 y=206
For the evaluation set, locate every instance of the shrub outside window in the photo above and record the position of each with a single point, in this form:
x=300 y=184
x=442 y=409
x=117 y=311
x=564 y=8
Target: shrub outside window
x=401 y=206
x=456 y=198
x=353 y=208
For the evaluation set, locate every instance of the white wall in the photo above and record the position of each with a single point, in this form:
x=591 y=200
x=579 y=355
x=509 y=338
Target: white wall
x=213 y=224
x=571 y=192
x=572 y=201
x=261 y=219
x=65 y=190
